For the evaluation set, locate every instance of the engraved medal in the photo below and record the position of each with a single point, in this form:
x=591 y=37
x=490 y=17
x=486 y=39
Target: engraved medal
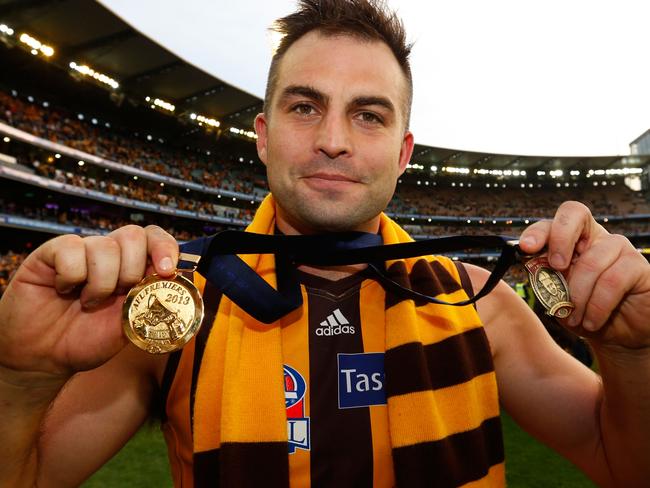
x=550 y=287
x=161 y=315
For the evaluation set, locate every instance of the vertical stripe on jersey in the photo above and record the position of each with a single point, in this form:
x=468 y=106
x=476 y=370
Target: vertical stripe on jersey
x=211 y=300
x=295 y=353
x=372 y=296
x=341 y=453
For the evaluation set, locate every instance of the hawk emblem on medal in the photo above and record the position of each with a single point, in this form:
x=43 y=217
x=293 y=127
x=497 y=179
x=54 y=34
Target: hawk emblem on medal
x=161 y=315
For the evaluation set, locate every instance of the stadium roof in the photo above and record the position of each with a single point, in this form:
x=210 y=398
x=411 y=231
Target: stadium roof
x=85 y=32
x=642 y=136
x=475 y=160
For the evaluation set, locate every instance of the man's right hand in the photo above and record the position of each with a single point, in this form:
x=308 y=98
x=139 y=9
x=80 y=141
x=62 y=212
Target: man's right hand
x=61 y=312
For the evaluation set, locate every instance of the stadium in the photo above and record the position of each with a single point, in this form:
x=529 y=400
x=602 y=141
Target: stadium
x=101 y=127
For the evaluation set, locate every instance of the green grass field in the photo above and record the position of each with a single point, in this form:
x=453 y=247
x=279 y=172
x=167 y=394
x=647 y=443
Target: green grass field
x=531 y=464
x=143 y=463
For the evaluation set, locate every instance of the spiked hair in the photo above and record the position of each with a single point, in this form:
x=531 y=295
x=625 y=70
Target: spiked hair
x=368 y=20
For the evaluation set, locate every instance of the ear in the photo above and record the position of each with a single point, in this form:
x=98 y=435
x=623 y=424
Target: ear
x=261 y=127
x=406 y=151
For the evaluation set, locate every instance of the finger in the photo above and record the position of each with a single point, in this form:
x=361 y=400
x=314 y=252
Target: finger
x=132 y=240
x=611 y=287
x=103 y=263
x=163 y=250
x=534 y=237
x=67 y=256
x=572 y=222
x=587 y=270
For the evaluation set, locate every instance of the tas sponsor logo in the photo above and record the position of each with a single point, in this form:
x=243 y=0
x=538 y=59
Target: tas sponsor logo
x=361 y=379
x=295 y=388
x=335 y=324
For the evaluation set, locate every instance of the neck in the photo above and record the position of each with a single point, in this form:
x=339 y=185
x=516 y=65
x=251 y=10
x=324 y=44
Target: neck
x=329 y=272
x=333 y=273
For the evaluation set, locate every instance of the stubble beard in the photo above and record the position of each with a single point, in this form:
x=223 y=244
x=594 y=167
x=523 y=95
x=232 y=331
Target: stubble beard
x=313 y=212
x=329 y=213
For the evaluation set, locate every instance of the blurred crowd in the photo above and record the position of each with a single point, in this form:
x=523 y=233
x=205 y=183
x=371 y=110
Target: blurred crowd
x=513 y=201
x=144 y=191
x=627 y=228
x=57 y=125
x=9 y=263
x=89 y=219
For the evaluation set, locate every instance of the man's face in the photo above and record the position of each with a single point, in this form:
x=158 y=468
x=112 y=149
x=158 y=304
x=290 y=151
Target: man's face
x=334 y=143
x=548 y=283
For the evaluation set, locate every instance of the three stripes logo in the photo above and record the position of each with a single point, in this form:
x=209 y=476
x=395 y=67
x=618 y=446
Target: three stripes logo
x=335 y=324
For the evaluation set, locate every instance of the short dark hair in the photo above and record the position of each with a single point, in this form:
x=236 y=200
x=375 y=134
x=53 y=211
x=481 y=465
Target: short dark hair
x=369 y=20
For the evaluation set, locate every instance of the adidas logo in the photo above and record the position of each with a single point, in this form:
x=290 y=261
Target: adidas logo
x=335 y=324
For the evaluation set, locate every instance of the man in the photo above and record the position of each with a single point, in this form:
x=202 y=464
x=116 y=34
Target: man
x=334 y=137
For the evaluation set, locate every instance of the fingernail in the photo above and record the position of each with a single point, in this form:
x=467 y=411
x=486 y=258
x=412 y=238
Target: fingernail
x=588 y=325
x=529 y=241
x=91 y=303
x=557 y=260
x=165 y=264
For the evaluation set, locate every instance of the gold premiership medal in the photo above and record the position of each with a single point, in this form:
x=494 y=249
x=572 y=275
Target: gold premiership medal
x=161 y=315
x=550 y=287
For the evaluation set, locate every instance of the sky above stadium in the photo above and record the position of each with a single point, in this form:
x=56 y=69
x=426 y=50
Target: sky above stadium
x=559 y=77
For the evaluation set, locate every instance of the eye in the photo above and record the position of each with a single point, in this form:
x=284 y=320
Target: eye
x=370 y=118
x=303 y=109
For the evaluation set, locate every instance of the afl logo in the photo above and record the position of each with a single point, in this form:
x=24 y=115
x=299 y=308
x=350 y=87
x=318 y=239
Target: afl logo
x=294 y=386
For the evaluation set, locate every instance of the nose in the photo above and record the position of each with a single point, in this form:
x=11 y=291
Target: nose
x=334 y=138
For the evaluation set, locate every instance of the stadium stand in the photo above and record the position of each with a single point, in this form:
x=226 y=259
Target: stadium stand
x=228 y=176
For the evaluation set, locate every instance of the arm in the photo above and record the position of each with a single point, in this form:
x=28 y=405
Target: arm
x=24 y=399
x=545 y=390
x=63 y=440
x=601 y=423
x=61 y=315
x=97 y=412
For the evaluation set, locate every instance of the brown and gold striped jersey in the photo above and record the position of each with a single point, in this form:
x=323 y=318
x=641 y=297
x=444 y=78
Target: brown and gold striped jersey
x=336 y=393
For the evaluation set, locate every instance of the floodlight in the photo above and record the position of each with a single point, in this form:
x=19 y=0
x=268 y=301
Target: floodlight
x=88 y=71
x=36 y=45
x=5 y=29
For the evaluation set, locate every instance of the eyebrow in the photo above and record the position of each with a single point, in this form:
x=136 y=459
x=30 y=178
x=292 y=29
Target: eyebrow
x=381 y=101
x=318 y=96
x=304 y=91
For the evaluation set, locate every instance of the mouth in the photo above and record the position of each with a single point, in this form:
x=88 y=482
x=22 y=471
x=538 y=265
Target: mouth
x=330 y=177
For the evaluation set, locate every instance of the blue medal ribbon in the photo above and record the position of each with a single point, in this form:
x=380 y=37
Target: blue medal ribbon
x=220 y=264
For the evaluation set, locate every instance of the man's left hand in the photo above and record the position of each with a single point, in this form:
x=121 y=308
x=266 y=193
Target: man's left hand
x=609 y=280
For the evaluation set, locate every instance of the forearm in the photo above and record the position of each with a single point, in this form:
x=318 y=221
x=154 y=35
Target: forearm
x=24 y=401
x=625 y=414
